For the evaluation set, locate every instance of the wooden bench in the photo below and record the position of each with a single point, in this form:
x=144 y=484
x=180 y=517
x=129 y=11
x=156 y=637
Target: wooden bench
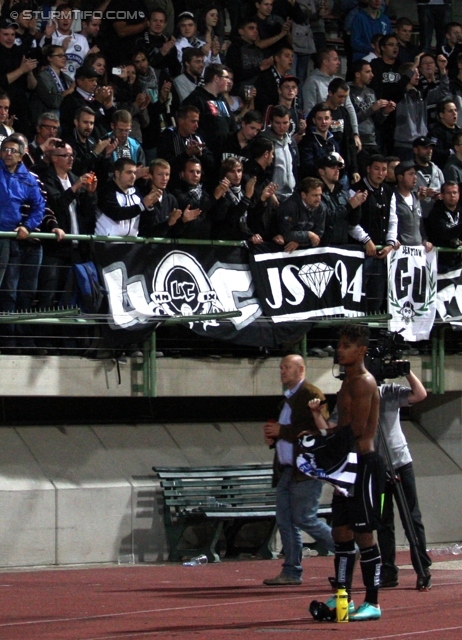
x=224 y=498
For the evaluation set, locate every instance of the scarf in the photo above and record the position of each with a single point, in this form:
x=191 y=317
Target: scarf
x=150 y=85
x=235 y=194
x=196 y=191
x=58 y=80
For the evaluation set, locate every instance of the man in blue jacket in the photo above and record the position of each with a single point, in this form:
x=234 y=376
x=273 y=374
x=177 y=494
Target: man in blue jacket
x=368 y=22
x=17 y=187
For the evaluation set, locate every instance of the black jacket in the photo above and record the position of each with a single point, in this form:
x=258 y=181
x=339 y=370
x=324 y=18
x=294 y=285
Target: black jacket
x=154 y=222
x=86 y=159
x=442 y=137
x=339 y=216
x=375 y=211
x=199 y=228
x=216 y=121
x=74 y=101
x=245 y=60
x=444 y=228
x=296 y=220
x=172 y=147
x=59 y=200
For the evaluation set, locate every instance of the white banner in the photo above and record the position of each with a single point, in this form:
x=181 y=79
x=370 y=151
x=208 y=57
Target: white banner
x=412 y=287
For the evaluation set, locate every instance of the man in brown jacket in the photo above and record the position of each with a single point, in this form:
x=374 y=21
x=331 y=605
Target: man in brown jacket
x=297 y=498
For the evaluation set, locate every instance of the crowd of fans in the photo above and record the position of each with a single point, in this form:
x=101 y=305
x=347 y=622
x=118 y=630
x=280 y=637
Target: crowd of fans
x=128 y=118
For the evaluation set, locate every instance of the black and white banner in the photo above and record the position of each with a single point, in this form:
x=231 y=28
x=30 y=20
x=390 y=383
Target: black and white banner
x=146 y=283
x=309 y=283
x=449 y=297
x=412 y=289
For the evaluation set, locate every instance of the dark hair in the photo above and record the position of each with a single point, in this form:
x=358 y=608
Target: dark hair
x=245 y=21
x=189 y=53
x=185 y=109
x=405 y=67
x=457 y=138
x=403 y=22
x=336 y=84
x=229 y=164
x=384 y=39
x=323 y=54
x=89 y=61
x=213 y=70
x=122 y=115
x=121 y=163
x=393 y=159
x=252 y=116
x=84 y=109
x=377 y=157
x=279 y=111
x=4 y=95
x=201 y=19
x=191 y=160
x=321 y=106
x=451 y=25
x=283 y=48
x=358 y=65
x=357 y=333
x=65 y=7
x=139 y=49
x=14 y=137
x=441 y=106
x=450 y=183
x=259 y=146
x=309 y=184
x=50 y=49
x=158 y=10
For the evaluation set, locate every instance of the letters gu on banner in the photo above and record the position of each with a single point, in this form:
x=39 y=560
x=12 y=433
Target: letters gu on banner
x=412 y=291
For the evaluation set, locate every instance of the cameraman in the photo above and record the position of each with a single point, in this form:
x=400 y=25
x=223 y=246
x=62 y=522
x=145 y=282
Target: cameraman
x=392 y=397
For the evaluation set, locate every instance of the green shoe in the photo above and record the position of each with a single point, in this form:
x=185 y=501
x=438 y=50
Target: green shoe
x=366 y=611
x=332 y=604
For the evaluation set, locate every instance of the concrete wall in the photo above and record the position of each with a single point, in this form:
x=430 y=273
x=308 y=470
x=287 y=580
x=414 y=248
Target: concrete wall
x=87 y=494
x=78 y=377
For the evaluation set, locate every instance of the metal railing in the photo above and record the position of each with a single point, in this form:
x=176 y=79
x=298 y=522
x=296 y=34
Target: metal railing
x=73 y=316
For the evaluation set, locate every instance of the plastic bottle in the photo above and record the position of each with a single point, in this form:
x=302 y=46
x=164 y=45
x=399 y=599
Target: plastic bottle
x=342 y=605
x=128 y=558
x=196 y=562
x=454 y=549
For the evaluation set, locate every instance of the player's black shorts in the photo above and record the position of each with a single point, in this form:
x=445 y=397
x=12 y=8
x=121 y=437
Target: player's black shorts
x=362 y=511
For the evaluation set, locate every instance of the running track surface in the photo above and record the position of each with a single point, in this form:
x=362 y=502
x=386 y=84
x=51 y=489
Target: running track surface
x=219 y=601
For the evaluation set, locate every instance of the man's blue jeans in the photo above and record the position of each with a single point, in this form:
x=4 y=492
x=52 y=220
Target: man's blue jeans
x=19 y=266
x=296 y=509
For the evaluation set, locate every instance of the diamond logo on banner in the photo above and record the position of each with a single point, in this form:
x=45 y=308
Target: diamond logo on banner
x=316 y=277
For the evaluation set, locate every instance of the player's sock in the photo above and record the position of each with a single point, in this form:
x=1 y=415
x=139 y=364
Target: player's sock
x=345 y=555
x=370 y=568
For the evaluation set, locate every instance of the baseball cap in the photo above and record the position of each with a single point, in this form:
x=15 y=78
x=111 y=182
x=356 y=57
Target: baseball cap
x=423 y=141
x=332 y=160
x=186 y=15
x=402 y=167
x=289 y=79
x=7 y=23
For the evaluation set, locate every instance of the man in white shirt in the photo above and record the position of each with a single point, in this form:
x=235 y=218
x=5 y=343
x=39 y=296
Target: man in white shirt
x=59 y=32
x=120 y=204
